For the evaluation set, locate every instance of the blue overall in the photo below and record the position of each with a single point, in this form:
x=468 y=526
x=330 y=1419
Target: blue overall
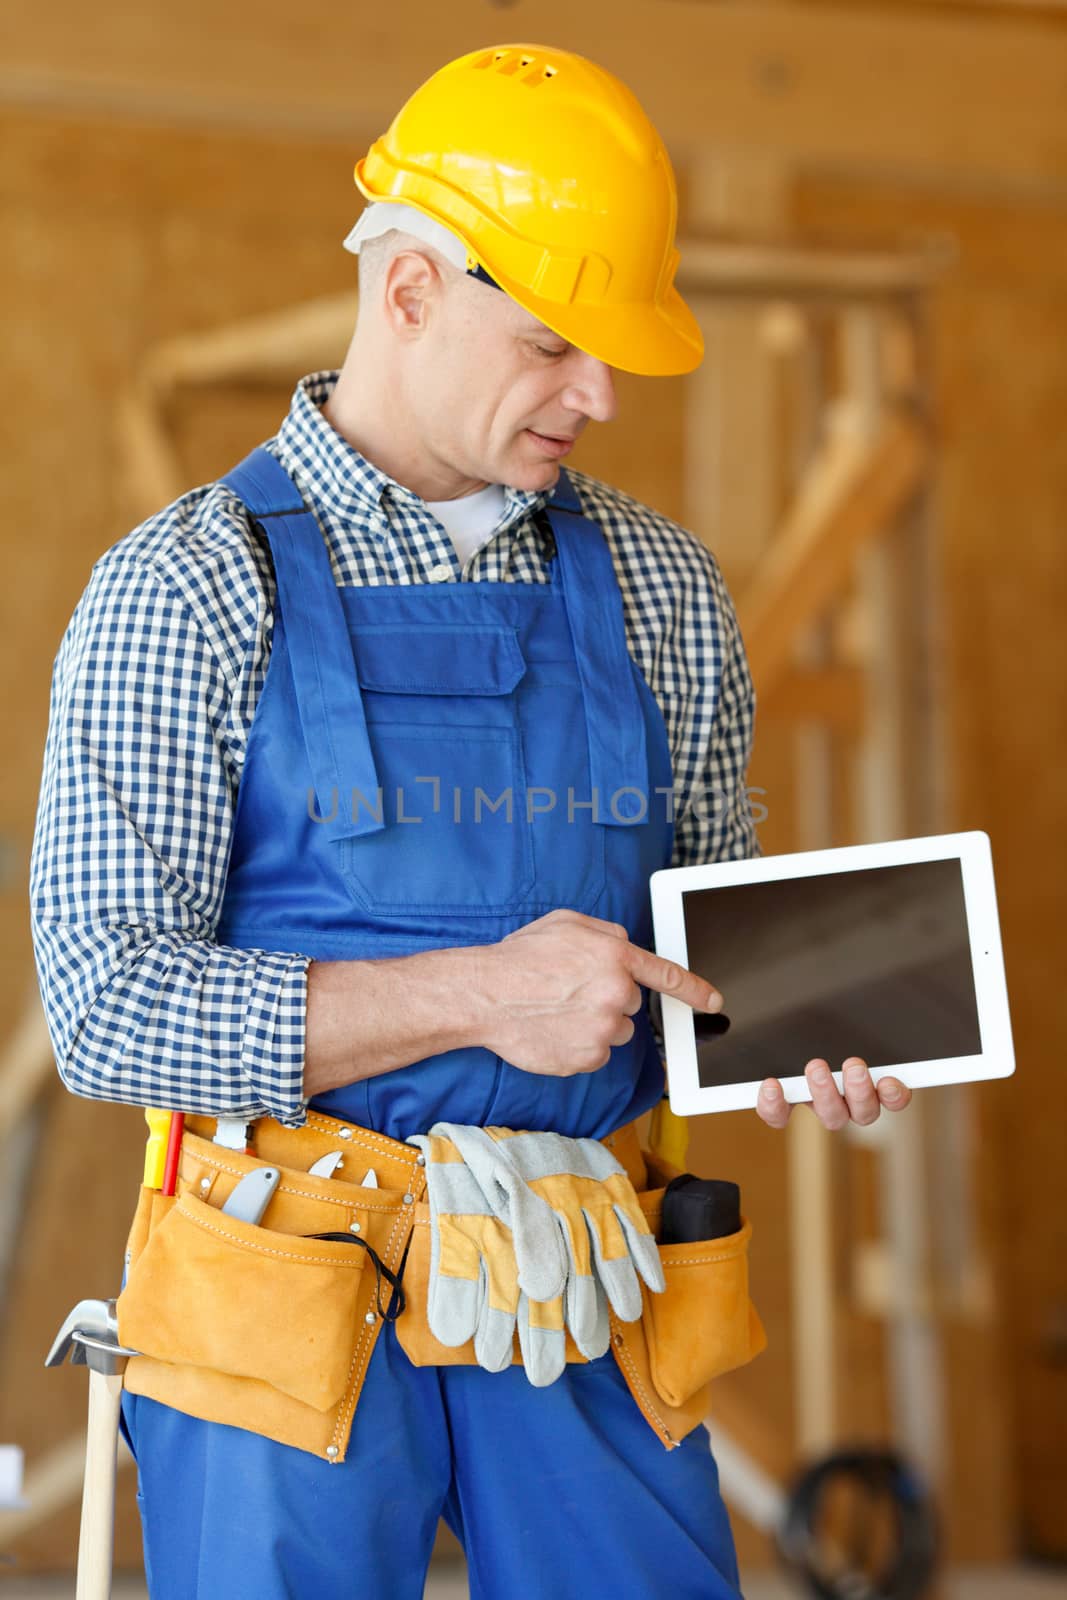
x=437 y=765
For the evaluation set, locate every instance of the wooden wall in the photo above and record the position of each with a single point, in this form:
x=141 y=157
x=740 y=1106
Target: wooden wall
x=999 y=327
x=122 y=227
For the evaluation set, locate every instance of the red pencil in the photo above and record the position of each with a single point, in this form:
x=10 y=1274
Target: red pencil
x=174 y=1150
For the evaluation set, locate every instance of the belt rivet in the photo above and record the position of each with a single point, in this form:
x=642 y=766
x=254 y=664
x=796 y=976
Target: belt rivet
x=344 y=1133
x=409 y=1199
x=355 y=1227
x=370 y=1317
x=420 y=1160
x=205 y=1183
x=618 y=1339
x=332 y=1451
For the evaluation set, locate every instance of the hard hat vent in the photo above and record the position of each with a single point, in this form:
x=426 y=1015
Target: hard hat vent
x=530 y=69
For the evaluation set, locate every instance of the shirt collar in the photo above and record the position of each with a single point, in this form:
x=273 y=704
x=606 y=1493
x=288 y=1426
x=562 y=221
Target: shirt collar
x=333 y=475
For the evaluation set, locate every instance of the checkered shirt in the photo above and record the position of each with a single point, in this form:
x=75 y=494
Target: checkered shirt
x=153 y=693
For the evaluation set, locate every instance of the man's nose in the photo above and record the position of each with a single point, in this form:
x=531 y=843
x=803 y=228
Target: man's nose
x=592 y=390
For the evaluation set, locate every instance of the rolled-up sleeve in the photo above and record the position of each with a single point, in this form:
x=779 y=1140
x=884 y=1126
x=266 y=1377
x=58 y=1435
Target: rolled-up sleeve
x=128 y=869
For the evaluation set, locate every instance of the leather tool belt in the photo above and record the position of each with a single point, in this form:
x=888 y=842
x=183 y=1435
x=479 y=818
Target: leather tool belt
x=271 y=1329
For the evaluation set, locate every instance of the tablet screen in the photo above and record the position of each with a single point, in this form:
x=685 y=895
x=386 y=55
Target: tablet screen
x=874 y=963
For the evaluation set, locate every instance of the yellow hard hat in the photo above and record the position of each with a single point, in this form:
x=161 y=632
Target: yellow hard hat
x=548 y=170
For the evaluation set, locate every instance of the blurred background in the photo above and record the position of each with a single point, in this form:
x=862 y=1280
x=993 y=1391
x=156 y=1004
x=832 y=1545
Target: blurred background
x=874 y=233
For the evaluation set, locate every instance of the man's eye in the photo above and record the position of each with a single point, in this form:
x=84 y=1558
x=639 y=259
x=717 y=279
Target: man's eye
x=545 y=351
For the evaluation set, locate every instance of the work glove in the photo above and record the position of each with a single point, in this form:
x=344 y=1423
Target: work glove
x=543 y=1341
x=603 y=1243
x=474 y=1290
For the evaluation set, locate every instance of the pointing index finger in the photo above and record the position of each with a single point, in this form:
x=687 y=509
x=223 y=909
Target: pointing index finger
x=670 y=978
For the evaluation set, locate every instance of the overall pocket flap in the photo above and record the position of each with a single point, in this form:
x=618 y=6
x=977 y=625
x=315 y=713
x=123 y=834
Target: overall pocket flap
x=210 y=1291
x=450 y=659
x=703 y=1324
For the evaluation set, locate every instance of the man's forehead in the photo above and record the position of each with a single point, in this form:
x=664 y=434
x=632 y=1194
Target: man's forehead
x=516 y=317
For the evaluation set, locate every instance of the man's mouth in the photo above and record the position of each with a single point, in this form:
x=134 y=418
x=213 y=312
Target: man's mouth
x=555 y=443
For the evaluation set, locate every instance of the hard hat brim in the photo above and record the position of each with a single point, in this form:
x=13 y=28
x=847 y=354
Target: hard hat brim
x=658 y=341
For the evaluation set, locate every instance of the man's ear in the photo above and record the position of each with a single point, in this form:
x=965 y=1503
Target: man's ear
x=413 y=287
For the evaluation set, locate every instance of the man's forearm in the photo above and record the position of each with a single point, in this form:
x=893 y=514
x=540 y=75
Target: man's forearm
x=369 y=1017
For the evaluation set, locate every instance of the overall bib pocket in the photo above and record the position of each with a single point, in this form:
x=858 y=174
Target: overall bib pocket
x=443 y=727
x=210 y=1291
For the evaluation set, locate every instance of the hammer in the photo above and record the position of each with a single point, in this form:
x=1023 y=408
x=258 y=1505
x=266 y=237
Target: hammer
x=90 y=1337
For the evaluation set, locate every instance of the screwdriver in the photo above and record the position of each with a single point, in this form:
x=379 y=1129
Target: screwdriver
x=165 y=1129
x=155 y=1156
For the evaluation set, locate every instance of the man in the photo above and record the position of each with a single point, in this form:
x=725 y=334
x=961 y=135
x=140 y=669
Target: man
x=358 y=765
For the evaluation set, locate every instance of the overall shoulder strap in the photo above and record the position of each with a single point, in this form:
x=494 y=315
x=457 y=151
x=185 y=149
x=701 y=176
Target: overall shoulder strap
x=618 y=758
x=328 y=696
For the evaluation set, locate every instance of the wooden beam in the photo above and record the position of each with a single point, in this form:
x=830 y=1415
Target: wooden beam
x=731 y=399
x=988 y=10
x=853 y=87
x=742 y=269
x=258 y=349
x=852 y=492
x=150 y=472
x=310 y=335
x=813 y=1278
x=26 y=1065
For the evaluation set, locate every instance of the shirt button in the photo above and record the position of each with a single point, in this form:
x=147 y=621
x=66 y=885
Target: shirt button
x=440 y=573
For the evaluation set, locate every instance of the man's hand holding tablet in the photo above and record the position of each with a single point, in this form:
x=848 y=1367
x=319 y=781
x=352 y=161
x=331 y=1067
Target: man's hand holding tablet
x=861 y=1102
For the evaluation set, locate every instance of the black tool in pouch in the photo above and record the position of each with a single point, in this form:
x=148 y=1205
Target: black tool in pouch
x=699 y=1208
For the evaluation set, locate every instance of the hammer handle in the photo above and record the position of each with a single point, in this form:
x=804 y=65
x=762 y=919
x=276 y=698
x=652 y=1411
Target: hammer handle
x=97 y=1539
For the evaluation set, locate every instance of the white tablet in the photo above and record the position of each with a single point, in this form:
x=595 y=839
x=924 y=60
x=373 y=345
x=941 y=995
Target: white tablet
x=886 y=951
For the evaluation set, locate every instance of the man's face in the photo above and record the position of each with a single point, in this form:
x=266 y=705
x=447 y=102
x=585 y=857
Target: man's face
x=500 y=397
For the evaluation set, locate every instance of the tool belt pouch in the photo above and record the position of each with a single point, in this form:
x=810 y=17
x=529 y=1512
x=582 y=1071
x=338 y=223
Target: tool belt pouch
x=261 y=1327
x=702 y=1325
